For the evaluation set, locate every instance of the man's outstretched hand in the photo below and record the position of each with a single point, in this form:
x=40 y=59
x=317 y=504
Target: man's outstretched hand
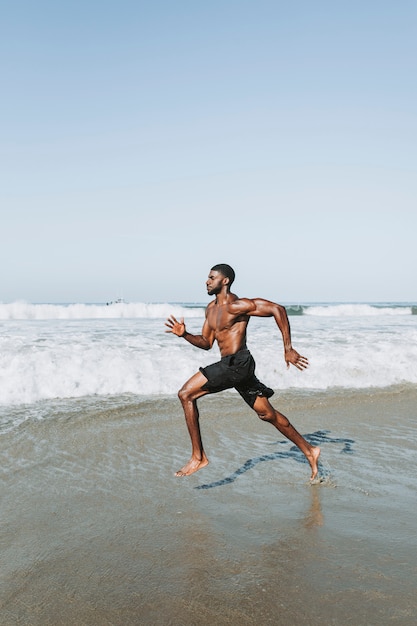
x=175 y=326
x=292 y=357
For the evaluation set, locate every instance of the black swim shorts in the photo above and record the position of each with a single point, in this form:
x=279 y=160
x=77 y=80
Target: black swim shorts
x=236 y=371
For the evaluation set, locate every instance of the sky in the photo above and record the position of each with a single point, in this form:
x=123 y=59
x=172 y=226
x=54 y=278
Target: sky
x=142 y=142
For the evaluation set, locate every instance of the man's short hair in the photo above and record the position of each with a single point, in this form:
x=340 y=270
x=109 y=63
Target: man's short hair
x=226 y=270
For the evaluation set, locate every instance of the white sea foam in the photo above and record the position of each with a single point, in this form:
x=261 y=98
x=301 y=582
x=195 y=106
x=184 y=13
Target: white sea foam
x=64 y=358
x=119 y=310
x=139 y=310
x=356 y=310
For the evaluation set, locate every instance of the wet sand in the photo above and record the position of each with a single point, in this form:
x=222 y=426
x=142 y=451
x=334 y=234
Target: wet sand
x=97 y=530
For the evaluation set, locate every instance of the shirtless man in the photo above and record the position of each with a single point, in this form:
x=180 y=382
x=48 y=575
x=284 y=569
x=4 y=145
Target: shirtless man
x=227 y=318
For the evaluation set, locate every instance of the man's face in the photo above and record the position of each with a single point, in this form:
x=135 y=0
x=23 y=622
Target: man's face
x=214 y=283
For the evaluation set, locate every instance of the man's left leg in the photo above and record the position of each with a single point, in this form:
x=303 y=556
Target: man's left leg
x=267 y=413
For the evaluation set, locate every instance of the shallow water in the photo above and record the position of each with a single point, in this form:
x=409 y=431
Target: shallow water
x=97 y=530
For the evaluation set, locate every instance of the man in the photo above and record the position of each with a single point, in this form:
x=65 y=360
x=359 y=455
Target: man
x=227 y=318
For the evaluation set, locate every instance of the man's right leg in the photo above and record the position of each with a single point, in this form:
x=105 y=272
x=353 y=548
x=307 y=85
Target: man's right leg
x=188 y=395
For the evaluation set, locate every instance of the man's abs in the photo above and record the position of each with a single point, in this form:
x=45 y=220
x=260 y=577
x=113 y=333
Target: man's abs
x=231 y=341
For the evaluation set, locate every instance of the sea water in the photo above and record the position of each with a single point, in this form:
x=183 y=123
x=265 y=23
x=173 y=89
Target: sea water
x=96 y=529
x=122 y=351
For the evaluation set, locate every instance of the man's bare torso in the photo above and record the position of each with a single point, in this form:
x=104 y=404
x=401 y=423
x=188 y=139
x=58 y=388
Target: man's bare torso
x=229 y=327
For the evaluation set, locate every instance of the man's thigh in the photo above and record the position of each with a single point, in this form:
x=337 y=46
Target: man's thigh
x=193 y=387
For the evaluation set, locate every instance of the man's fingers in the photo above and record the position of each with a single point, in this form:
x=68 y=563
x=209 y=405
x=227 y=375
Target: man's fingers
x=174 y=325
x=300 y=362
x=170 y=323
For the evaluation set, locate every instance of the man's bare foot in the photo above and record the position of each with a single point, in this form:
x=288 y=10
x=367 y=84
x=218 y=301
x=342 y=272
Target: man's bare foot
x=313 y=459
x=192 y=466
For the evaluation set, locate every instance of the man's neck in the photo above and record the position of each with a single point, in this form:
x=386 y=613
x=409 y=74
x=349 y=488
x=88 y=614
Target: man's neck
x=222 y=298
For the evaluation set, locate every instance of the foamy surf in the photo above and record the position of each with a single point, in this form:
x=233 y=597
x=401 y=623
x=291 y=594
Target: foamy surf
x=116 y=310
x=58 y=351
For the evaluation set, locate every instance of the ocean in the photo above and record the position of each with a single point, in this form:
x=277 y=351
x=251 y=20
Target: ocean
x=61 y=352
x=95 y=528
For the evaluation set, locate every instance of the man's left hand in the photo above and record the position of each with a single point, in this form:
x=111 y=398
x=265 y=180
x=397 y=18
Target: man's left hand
x=292 y=357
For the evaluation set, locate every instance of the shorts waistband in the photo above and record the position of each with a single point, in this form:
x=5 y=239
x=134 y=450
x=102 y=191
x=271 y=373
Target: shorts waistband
x=243 y=351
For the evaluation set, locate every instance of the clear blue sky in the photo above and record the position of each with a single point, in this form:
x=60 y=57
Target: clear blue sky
x=142 y=142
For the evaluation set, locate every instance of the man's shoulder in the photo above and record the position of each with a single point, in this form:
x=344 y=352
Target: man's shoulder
x=241 y=305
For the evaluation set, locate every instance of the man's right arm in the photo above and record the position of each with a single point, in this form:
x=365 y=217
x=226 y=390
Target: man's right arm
x=204 y=341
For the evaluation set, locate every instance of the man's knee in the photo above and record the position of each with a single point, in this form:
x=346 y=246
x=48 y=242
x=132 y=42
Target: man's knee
x=264 y=409
x=183 y=394
x=188 y=393
x=266 y=415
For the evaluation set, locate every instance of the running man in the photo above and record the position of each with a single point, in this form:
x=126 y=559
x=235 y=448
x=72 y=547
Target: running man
x=227 y=318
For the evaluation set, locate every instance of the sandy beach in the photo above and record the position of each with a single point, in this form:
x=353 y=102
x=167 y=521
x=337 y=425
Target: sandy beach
x=96 y=530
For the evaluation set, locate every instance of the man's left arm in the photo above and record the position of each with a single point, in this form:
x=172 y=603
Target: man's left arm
x=258 y=307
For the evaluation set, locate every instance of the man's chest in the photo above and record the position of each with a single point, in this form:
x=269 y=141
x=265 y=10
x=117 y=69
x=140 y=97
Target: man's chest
x=219 y=318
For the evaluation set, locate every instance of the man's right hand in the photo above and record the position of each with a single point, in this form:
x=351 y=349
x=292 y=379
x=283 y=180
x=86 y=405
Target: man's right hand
x=175 y=326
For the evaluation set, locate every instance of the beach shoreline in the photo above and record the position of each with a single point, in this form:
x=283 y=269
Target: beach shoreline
x=97 y=530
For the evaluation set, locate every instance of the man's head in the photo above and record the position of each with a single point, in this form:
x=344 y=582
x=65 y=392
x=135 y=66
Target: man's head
x=220 y=275
x=226 y=270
